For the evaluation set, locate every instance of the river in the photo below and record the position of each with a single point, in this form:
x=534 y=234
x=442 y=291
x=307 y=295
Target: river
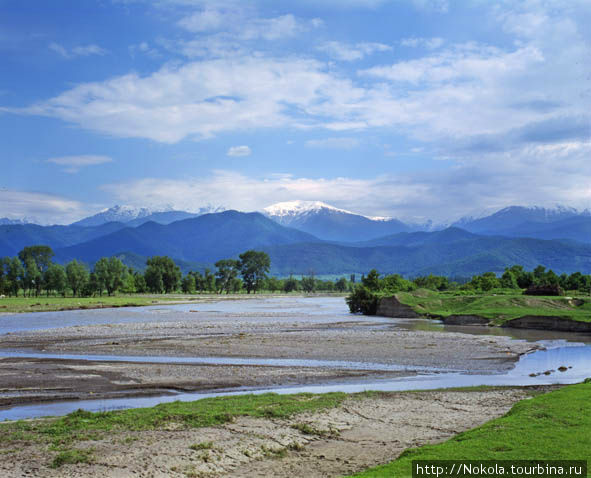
x=564 y=357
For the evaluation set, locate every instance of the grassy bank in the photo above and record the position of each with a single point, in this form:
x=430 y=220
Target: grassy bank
x=553 y=426
x=62 y=434
x=497 y=308
x=15 y=305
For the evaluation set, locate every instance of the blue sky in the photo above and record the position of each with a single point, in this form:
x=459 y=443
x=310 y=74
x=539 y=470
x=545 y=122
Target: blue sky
x=413 y=109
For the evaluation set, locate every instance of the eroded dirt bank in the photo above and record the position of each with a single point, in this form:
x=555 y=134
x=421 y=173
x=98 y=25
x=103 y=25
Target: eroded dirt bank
x=362 y=432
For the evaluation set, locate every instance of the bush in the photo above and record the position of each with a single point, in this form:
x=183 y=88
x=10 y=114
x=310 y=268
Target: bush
x=363 y=300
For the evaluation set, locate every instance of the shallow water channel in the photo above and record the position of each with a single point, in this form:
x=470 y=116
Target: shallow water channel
x=566 y=357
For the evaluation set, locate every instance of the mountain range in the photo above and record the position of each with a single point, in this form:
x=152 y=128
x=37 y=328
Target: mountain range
x=305 y=237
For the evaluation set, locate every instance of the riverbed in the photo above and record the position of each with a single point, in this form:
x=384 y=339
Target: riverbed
x=54 y=362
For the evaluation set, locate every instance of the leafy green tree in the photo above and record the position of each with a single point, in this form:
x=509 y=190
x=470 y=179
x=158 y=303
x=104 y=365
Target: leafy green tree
x=32 y=278
x=227 y=271
x=15 y=275
x=291 y=285
x=273 y=284
x=371 y=281
x=139 y=283
x=308 y=284
x=4 y=261
x=362 y=300
x=162 y=274
x=55 y=279
x=110 y=273
x=341 y=285
x=188 y=284
x=41 y=255
x=396 y=283
x=254 y=266
x=93 y=286
x=77 y=275
x=508 y=280
x=432 y=282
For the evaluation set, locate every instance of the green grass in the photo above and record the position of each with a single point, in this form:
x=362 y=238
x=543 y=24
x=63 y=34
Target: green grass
x=44 y=304
x=497 y=308
x=552 y=426
x=82 y=425
x=72 y=457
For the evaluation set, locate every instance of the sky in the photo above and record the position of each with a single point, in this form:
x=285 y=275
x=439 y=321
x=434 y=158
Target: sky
x=416 y=109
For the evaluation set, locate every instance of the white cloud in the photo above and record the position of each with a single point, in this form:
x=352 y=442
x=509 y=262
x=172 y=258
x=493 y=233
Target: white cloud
x=77 y=51
x=348 y=52
x=429 y=43
x=206 y=20
x=72 y=164
x=333 y=143
x=239 y=151
x=41 y=207
x=201 y=99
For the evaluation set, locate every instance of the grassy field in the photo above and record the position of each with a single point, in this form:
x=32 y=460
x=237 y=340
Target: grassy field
x=553 y=426
x=14 y=305
x=498 y=308
x=43 y=304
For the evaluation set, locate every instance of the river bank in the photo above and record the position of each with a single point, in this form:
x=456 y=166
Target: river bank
x=316 y=348
x=344 y=437
x=564 y=314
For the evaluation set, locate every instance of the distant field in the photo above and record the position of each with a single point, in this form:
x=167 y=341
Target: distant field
x=498 y=308
x=13 y=305
x=44 y=304
x=553 y=426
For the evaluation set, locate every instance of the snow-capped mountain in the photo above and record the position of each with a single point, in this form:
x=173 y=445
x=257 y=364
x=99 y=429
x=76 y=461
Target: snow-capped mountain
x=290 y=210
x=134 y=216
x=6 y=221
x=331 y=223
x=559 y=222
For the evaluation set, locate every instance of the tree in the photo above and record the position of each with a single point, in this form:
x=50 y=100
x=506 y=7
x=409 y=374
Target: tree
x=227 y=271
x=55 y=279
x=4 y=261
x=508 y=280
x=32 y=279
x=273 y=284
x=77 y=275
x=308 y=284
x=341 y=285
x=188 y=284
x=372 y=281
x=162 y=274
x=139 y=283
x=109 y=273
x=291 y=285
x=254 y=266
x=41 y=255
x=15 y=274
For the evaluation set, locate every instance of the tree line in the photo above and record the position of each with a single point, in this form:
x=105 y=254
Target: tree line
x=366 y=295
x=32 y=273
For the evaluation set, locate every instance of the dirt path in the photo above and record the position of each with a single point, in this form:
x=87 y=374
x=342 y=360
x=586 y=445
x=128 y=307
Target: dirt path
x=362 y=432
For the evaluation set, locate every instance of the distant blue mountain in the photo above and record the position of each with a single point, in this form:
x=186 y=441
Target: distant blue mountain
x=205 y=239
x=536 y=222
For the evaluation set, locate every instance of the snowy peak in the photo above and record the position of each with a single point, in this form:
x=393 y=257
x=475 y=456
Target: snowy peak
x=135 y=216
x=6 y=221
x=331 y=223
x=296 y=208
x=117 y=214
